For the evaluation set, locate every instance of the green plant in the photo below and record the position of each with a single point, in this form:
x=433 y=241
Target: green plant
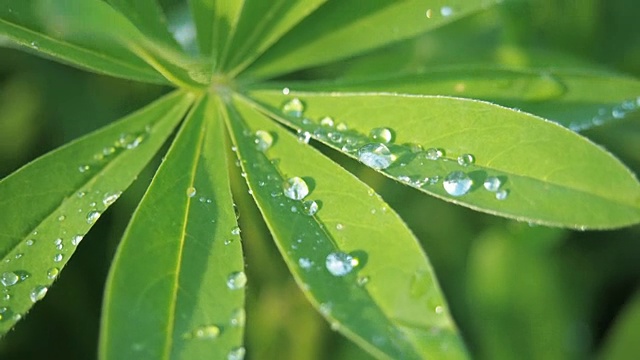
x=178 y=274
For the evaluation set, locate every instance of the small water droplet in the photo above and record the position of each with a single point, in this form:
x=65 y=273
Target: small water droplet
x=34 y=44
x=207 y=332
x=9 y=278
x=457 y=183
x=466 y=159
x=191 y=191
x=382 y=135
x=92 y=217
x=236 y=280
x=305 y=263
x=433 y=153
x=295 y=188
x=84 y=168
x=236 y=353
x=110 y=198
x=30 y=242
x=327 y=121
x=429 y=13
x=363 y=280
x=238 y=317
x=502 y=194
x=228 y=241
x=310 y=207
x=19 y=255
x=341 y=127
x=76 y=240
x=304 y=137
x=376 y=156
x=492 y=183
x=285 y=91
x=339 y=226
x=335 y=137
x=235 y=231
x=129 y=141
x=340 y=263
x=293 y=107
x=53 y=273
x=325 y=308
x=61 y=218
x=439 y=309
x=38 y=293
x=446 y=11
x=57 y=242
x=263 y=140
x=58 y=257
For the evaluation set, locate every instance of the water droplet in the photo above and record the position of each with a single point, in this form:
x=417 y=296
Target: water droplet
x=38 y=293
x=207 y=332
x=376 y=156
x=34 y=44
x=92 y=217
x=492 y=183
x=304 y=137
x=228 y=241
x=295 y=188
x=285 y=91
x=236 y=280
x=310 y=207
x=235 y=231
x=129 y=141
x=341 y=127
x=263 y=140
x=84 y=168
x=446 y=11
x=502 y=194
x=327 y=121
x=110 y=198
x=293 y=107
x=439 y=309
x=58 y=257
x=57 y=242
x=433 y=153
x=30 y=242
x=429 y=13
x=325 y=309
x=363 y=280
x=9 y=278
x=339 y=263
x=466 y=159
x=339 y=226
x=383 y=135
x=335 y=137
x=76 y=240
x=238 y=317
x=457 y=183
x=61 y=218
x=236 y=353
x=53 y=273
x=19 y=255
x=191 y=191
x=305 y=263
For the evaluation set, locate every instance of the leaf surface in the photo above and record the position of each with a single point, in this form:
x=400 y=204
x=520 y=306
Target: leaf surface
x=49 y=204
x=148 y=17
x=622 y=340
x=216 y=21
x=389 y=303
x=546 y=174
x=172 y=270
x=336 y=31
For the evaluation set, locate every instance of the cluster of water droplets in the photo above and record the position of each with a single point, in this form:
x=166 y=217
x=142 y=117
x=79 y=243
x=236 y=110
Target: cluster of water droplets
x=607 y=114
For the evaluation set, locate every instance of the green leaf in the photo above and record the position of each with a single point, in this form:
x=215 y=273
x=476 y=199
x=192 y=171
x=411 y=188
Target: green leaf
x=262 y=24
x=389 y=303
x=336 y=31
x=547 y=174
x=148 y=17
x=181 y=251
x=564 y=96
x=215 y=22
x=48 y=205
x=622 y=340
x=21 y=22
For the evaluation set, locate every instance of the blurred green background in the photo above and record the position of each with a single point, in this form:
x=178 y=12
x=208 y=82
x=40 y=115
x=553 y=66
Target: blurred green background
x=516 y=290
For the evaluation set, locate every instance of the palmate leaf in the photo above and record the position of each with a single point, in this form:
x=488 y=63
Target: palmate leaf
x=389 y=302
x=335 y=32
x=564 y=96
x=215 y=22
x=48 y=205
x=176 y=287
x=536 y=170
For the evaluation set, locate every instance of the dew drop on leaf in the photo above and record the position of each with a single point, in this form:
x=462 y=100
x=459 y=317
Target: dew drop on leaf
x=304 y=137
x=236 y=353
x=383 y=135
x=53 y=272
x=238 y=317
x=363 y=280
x=340 y=263
x=38 y=293
x=293 y=107
x=295 y=188
x=207 y=332
x=236 y=280
x=30 y=242
x=376 y=156
x=191 y=191
x=9 y=278
x=327 y=121
x=457 y=183
x=235 y=231
x=92 y=217
x=502 y=194
x=110 y=198
x=61 y=218
x=58 y=257
x=492 y=183
x=446 y=11
x=466 y=159
x=433 y=153
x=76 y=240
x=310 y=207
x=305 y=263
x=263 y=140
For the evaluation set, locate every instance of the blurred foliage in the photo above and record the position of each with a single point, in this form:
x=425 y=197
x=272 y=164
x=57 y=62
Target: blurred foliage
x=516 y=291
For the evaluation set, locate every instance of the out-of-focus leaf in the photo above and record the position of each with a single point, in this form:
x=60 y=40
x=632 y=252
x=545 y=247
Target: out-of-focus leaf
x=216 y=21
x=176 y=287
x=537 y=171
x=148 y=17
x=336 y=31
x=622 y=342
x=373 y=283
x=47 y=206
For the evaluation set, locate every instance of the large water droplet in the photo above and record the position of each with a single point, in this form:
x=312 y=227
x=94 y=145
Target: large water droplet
x=9 y=278
x=263 y=140
x=457 y=183
x=492 y=183
x=236 y=353
x=53 y=272
x=310 y=207
x=466 y=159
x=58 y=257
x=110 y=198
x=76 y=240
x=446 y=11
x=295 y=188
x=236 y=280
x=376 y=156
x=340 y=263
x=38 y=293
x=293 y=107
x=191 y=191
x=92 y=217
x=238 y=317
x=383 y=135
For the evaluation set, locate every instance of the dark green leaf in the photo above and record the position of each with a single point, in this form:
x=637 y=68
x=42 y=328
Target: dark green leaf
x=373 y=283
x=622 y=341
x=176 y=286
x=148 y=17
x=48 y=205
x=215 y=22
x=545 y=173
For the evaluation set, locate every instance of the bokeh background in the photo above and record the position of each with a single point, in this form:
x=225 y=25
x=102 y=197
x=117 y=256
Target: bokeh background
x=516 y=290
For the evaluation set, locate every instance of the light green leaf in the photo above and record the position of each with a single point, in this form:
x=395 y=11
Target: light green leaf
x=622 y=340
x=262 y=24
x=177 y=274
x=342 y=29
x=545 y=173
x=564 y=96
x=389 y=303
x=48 y=205
x=215 y=20
x=20 y=22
